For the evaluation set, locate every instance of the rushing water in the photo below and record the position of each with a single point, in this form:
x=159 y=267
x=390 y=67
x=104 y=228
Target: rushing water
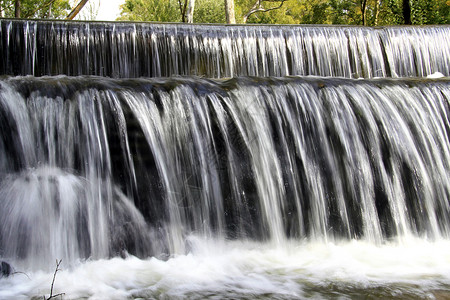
x=277 y=187
x=261 y=187
x=142 y=49
x=414 y=269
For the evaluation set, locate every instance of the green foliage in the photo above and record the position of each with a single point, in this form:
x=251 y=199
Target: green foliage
x=150 y=10
x=315 y=12
x=345 y=12
x=385 y=12
x=281 y=15
x=37 y=9
x=349 y=12
x=422 y=12
x=209 y=11
x=206 y=11
x=429 y=12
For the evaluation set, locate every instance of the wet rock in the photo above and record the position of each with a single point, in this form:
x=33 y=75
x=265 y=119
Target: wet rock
x=5 y=269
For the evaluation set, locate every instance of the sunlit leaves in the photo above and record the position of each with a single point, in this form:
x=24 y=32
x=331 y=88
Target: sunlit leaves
x=53 y=9
x=348 y=12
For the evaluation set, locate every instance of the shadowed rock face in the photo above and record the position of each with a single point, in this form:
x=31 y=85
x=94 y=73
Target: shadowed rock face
x=125 y=50
x=95 y=167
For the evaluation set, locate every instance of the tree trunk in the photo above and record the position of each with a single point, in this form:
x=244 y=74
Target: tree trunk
x=76 y=10
x=183 y=8
x=407 y=12
x=363 y=11
x=190 y=11
x=229 y=11
x=377 y=13
x=17 y=9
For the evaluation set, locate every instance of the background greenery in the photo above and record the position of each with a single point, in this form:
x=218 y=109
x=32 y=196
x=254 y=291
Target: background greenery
x=351 y=12
x=375 y=12
x=39 y=9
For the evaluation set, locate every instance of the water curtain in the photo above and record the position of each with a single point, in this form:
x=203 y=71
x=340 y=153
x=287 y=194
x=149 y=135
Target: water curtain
x=100 y=162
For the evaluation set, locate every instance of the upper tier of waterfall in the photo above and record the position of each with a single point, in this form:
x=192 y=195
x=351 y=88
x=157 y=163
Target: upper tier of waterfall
x=130 y=50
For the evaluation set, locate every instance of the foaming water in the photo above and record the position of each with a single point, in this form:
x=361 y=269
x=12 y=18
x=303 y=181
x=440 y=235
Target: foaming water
x=406 y=269
x=48 y=212
x=110 y=166
x=175 y=188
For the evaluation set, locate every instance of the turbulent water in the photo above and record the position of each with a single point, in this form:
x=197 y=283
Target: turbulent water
x=266 y=186
x=95 y=168
x=414 y=269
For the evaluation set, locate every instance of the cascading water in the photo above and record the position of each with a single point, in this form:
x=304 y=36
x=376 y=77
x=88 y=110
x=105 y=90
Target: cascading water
x=186 y=187
x=130 y=50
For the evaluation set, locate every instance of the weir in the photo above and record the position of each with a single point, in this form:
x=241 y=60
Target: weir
x=130 y=50
x=101 y=162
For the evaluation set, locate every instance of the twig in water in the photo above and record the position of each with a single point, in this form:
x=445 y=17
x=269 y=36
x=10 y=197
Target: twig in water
x=58 y=263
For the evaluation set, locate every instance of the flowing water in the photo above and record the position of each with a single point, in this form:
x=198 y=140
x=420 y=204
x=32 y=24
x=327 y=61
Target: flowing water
x=234 y=188
x=125 y=50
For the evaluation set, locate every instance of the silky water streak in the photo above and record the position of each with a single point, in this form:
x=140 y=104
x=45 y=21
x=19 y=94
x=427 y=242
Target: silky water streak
x=282 y=188
x=130 y=50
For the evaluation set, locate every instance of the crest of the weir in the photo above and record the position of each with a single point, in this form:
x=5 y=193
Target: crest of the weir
x=93 y=166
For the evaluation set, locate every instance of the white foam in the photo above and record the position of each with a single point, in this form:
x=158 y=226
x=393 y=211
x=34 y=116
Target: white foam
x=436 y=75
x=237 y=269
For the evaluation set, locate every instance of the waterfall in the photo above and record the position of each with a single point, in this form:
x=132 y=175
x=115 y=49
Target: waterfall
x=163 y=145
x=131 y=50
x=267 y=159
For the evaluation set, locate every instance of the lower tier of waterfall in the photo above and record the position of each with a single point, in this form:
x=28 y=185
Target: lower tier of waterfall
x=184 y=187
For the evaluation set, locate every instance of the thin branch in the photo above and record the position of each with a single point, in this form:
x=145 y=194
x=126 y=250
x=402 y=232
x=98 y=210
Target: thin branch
x=253 y=9
x=58 y=263
x=11 y=5
x=258 y=7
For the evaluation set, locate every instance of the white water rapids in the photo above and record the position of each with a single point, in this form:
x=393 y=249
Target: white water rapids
x=408 y=269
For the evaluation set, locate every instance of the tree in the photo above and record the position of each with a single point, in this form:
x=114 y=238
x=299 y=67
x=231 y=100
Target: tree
x=363 y=4
x=419 y=12
x=229 y=12
x=187 y=10
x=190 y=11
x=37 y=9
x=345 y=12
x=406 y=9
x=206 y=11
x=377 y=12
x=349 y=12
x=159 y=11
x=17 y=9
x=209 y=11
x=262 y=6
x=150 y=10
x=306 y=12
